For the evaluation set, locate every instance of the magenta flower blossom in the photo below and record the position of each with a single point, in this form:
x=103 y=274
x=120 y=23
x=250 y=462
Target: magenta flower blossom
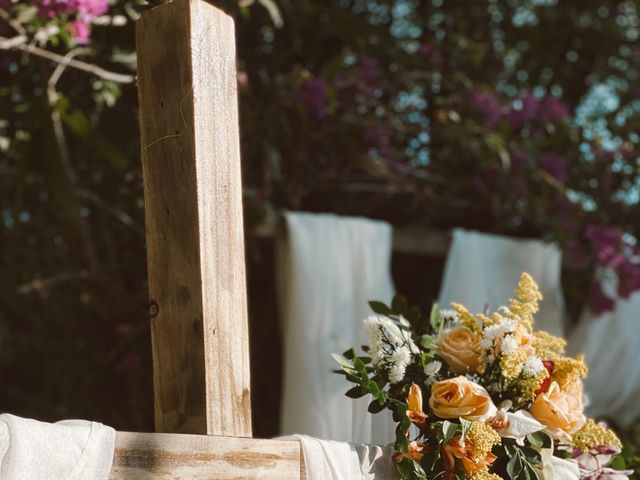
x=52 y=8
x=80 y=31
x=628 y=278
x=552 y=109
x=90 y=9
x=489 y=106
x=600 y=302
x=555 y=165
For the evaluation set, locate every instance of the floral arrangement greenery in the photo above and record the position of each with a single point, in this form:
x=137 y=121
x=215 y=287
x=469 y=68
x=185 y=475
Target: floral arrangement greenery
x=502 y=399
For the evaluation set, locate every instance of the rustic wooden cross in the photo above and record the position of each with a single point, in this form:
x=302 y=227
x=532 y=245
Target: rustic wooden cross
x=193 y=200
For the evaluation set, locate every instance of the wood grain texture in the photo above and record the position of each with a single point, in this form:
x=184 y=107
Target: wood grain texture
x=146 y=456
x=193 y=200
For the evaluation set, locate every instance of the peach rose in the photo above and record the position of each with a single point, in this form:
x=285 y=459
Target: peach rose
x=460 y=348
x=460 y=397
x=560 y=411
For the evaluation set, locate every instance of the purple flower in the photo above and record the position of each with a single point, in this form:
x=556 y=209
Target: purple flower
x=80 y=31
x=555 y=165
x=488 y=105
x=90 y=9
x=606 y=243
x=628 y=278
x=600 y=302
x=313 y=95
x=517 y=117
x=552 y=109
x=51 y=8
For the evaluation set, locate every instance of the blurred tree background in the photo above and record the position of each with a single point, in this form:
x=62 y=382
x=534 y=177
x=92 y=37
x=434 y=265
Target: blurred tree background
x=517 y=117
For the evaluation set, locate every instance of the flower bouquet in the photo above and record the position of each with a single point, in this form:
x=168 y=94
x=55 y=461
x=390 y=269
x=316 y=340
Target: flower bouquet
x=502 y=400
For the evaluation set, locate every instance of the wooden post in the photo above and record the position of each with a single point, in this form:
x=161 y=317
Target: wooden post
x=193 y=201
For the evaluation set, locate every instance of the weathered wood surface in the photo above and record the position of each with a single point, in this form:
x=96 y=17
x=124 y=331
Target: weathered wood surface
x=193 y=201
x=163 y=456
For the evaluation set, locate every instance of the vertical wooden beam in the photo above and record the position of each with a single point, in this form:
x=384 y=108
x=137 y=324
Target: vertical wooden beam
x=193 y=199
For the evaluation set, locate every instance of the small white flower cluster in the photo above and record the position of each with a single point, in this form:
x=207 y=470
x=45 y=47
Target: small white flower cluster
x=449 y=316
x=390 y=345
x=533 y=366
x=491 y=333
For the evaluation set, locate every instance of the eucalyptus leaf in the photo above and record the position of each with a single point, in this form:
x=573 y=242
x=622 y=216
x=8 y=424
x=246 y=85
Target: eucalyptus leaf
x=380 y=308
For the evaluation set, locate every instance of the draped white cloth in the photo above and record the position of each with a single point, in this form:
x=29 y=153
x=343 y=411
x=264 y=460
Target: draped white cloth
x=611 y=345
x=329 y=267
x=68 y=450
x=330 y=460
x=483 y=269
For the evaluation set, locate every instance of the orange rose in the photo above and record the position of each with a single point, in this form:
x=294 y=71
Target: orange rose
x=460 y=397
x=560 y=411
x=460 y=348
x=414 y=406
x=465 y=452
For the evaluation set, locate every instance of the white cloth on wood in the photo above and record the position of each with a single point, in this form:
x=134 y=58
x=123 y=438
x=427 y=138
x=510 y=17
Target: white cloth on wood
x=330 y=460
x=67 y=450
x=611 y=345
x=329 y=267
x=483 y=270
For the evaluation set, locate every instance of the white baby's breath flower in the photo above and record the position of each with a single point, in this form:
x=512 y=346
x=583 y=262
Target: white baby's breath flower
x=432 y=368
x=372 y=326
x=533 y=366
x=507 y=325
x=509 y=345
x=449 y=315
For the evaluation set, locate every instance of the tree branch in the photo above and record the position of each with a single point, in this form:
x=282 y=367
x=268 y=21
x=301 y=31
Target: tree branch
x=20 y=43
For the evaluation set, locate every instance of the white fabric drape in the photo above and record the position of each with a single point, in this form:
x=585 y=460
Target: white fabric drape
x=329 y=460
x=68 y=450
x=483 y=269
x=329 y=267
x=611 y=345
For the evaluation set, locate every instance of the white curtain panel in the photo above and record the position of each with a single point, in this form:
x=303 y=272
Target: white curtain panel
x=611 y=345
x=484 y=269
x=328 y=268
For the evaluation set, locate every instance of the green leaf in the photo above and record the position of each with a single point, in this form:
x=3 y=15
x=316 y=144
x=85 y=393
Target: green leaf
x=532 y=456
x=375 y=407
x=402 y=443
x=360 y=367
x=515 y=466
x=618 y=463
x=400 y=306
x=349 y=354
x=346 y=365
x=380 y=308
x=449 y=429
x=356 y=392
x=539 y=440
x=466 y=425
x=434 y=317
x=428 y=342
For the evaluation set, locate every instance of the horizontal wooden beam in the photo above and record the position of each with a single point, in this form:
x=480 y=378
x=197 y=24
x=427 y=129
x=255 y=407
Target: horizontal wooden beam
x=167 y=456
x=409 y=240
